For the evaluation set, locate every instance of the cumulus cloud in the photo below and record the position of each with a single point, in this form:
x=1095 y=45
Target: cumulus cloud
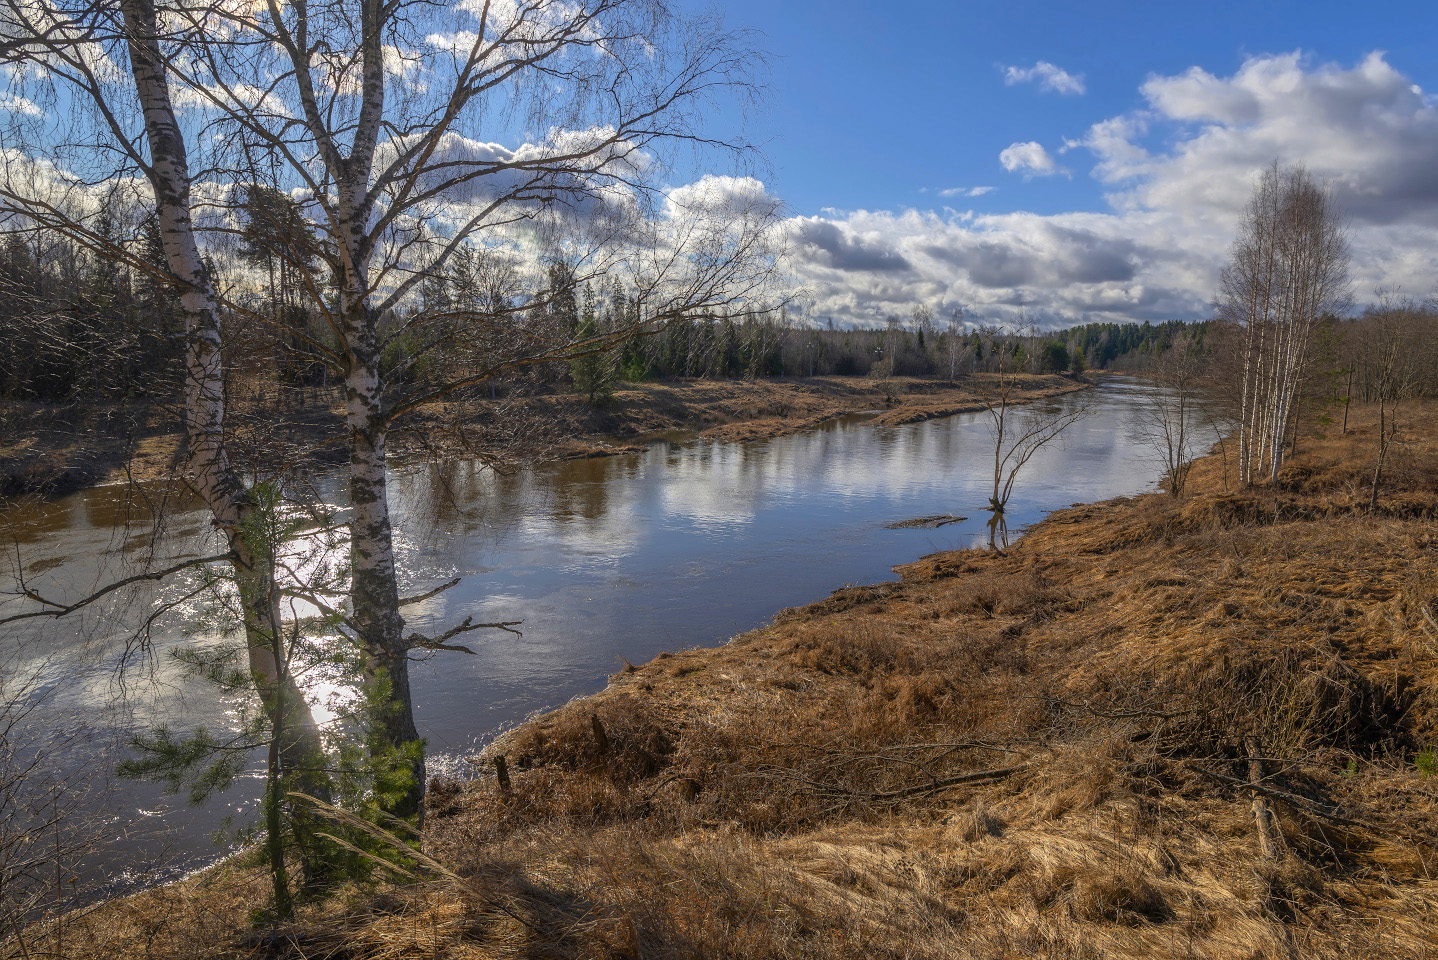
x=1177 y=173
x=1368 y=131
x=841 y=248
x=1048 y=77
x=1029 y=158
x=591 y=178
x=717 y=195
x=14 y=104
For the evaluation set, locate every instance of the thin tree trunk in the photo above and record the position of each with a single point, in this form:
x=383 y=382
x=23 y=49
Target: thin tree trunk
x=1297 y=416
x=1347 y=399
x=1382 y=452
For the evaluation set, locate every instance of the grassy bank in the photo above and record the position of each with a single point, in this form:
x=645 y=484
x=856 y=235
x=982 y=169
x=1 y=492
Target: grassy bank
x=1076 y=748
x=49 y=450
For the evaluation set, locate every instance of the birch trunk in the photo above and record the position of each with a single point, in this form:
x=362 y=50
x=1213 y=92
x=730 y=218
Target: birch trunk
x=374 y=585
x=216 y=479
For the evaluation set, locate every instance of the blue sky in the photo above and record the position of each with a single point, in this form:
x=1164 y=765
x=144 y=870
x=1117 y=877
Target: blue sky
x=871 y=103
x=1048 y=162
x=1154 y=119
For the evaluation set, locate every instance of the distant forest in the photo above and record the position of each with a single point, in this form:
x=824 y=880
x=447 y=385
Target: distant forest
x=78 y=327
x=717 y=349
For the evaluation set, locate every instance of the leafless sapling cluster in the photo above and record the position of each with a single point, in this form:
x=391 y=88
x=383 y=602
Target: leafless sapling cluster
x=1168 y=419
x=1388 y=343
x=1019 y=431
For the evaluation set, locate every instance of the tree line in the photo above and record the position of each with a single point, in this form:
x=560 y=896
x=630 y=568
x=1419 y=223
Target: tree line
x=83 y=325
x=76 y=324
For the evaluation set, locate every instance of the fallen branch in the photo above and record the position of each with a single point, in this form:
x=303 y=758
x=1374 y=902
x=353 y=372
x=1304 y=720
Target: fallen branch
x=1292 y=799
x=977 y=776
x=890 y=796
x=1089 y=708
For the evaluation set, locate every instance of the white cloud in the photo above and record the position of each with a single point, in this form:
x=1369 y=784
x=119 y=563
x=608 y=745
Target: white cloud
x=14 y=104
x=715 y=195
x=1047 y=76
x=246 y=95
x=1029 y=158
x=1178 y=172
x=952 y=192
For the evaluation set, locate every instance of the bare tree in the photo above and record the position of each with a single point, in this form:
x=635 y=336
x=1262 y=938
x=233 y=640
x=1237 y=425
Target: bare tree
x=1166 y=421
x=1387 y=332
x=1287 y=268
x=1019 y=431
x=615 y=83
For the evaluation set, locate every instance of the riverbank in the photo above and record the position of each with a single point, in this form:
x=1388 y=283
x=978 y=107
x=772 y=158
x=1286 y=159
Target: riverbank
x=1152 y=728
x=51 y=451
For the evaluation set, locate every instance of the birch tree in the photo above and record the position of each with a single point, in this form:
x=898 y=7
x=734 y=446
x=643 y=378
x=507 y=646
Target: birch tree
x=1288 y=267
x=109 y=66
x=370 y=114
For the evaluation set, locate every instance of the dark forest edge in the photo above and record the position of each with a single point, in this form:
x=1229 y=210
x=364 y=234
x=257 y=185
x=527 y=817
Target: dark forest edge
x=91 y=361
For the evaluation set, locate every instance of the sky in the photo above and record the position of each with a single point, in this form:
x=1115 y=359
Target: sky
x=1068 y=162
x=1033 y=161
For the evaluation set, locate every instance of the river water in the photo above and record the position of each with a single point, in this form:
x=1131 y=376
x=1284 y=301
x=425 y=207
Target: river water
x=684 y=545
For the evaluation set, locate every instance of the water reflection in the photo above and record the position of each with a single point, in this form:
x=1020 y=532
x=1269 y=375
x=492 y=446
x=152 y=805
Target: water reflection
x=686 y=544
x=998 y=531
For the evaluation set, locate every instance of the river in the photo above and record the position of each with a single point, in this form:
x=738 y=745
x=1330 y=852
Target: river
x=684 y=545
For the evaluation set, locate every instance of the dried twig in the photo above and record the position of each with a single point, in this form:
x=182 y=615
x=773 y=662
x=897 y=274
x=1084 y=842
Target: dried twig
x=467 y=626
x=56 y=609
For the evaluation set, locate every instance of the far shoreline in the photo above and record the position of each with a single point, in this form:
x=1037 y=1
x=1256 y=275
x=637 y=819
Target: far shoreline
x=60 y=450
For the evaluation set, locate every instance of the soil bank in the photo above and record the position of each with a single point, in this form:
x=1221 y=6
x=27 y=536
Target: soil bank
x=54 y=450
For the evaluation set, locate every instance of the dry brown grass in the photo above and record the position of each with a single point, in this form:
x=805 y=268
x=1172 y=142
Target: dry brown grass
x=817 y=788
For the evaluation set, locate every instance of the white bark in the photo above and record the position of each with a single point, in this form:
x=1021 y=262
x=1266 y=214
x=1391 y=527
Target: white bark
x=216 y=479
x=1287 y=268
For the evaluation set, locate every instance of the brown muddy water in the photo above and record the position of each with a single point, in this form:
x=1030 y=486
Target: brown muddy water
x=684 y=545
